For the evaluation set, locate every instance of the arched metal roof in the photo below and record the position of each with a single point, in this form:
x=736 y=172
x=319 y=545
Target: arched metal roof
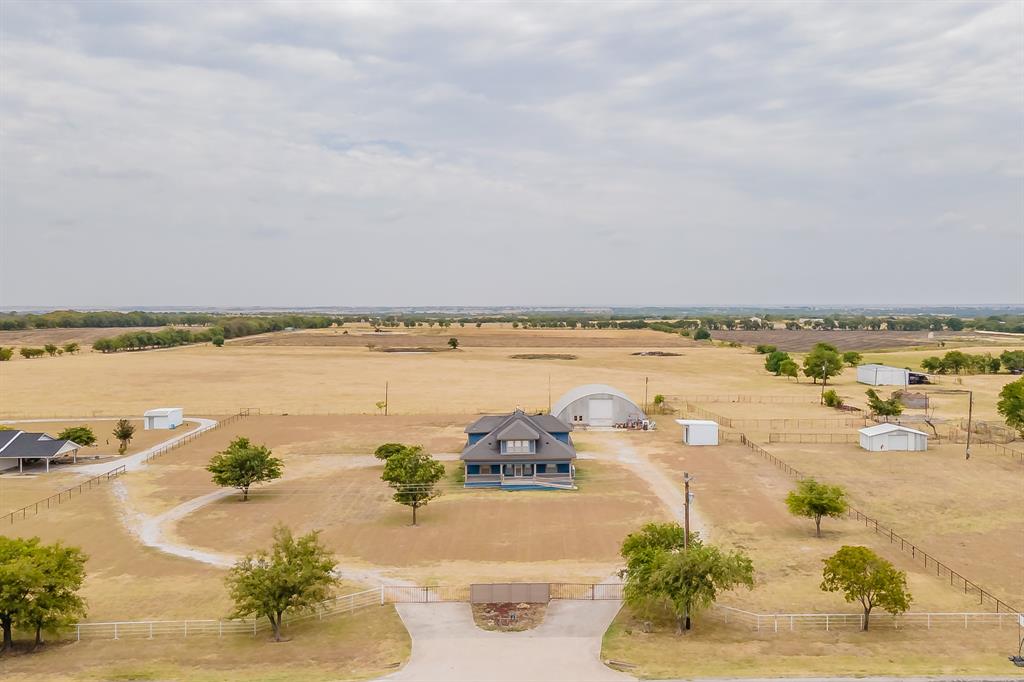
x=574 y=394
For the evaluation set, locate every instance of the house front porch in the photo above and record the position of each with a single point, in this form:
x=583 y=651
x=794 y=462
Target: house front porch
x=520 y=475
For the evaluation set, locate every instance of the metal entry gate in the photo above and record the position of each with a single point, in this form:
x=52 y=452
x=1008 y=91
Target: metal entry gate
x=421 y=594
x=510 y=593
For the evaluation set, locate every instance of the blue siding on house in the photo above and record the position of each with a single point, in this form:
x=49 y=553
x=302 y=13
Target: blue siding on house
x=563 y=468
x=564 y=437
x=475 y=438
x=472 y=468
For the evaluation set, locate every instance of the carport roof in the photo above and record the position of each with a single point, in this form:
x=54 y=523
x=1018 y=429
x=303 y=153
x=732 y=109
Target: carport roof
x=26 y=445
x=879 y=429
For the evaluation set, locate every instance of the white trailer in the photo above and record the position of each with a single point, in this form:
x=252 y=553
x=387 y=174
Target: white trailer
x=699 y=431
x=883 y=375
x=163 y=418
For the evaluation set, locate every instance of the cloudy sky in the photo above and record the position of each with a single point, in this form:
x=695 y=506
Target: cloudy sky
x=298 y=153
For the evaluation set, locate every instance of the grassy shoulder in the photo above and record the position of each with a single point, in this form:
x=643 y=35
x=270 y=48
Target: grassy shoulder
x=365 y=645
x=715 y=649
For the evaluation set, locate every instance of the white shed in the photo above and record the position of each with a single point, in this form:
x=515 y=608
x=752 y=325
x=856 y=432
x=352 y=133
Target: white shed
x=883 y=375
x=163 y=418
x=699 y=431
x=882 y=437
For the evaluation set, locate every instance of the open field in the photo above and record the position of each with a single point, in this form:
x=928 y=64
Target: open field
x=84 y=336
x=713 y=649
x=345 y=380
x=802 y=340
x=364 y=645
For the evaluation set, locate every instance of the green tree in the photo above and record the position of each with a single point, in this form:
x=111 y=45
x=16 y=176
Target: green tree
x=955 y=361
x=1011 y=360
x=413 y=474
x=71 y=348
x=51 y=349
x=861 y=575
x=891 y=407
x=218 y=341
x=933 y=365
x=789 y=368
x=124 y=431
x=774 y=360
x=295 y=575
x=54 y=601
x=823 y=362
x=29 y=353
x=765 y=349
x=18 y=577
x=832 y=399
x=852 y=358
x=815 y=500
x=453 y=342
x=659 y=402
x=81 y=435
x=243 y=465
x=702 y=334
x=6 y=354
x=386 y=450
x=1011 y=405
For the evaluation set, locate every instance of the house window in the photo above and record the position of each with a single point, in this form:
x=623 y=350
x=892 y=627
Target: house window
x=472 y=469
x=518 y=446
x=542 y=468
x=527 y=470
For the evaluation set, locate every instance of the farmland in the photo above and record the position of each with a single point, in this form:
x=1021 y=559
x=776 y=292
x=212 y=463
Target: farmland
x=317 y=392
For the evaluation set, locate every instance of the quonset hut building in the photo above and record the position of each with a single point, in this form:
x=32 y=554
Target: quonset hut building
x=596 y=405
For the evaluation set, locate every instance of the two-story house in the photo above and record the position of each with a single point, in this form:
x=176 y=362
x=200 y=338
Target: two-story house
x=519 y=451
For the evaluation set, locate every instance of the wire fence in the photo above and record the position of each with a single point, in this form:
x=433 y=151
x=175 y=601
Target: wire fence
x=829 y=438
x=740 y=398
x=930 y=562
x=62 y=496
x=792 y=622
x=190 y=437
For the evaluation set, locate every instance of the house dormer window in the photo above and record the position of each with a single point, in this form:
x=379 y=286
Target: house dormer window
x=519 y=447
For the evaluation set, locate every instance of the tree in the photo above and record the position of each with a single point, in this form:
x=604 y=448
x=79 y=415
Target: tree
x=659 y=402
x=18 y=576
x=1011 y=405
x=218 y=341
x=453 y=342
x=413 y=474
x=955 y=361
x=82 y=435
x=6 y=354
x=932 y=365
x=701 y=334
x=1011 y=360
x=861 y=575
x=295 y=575
x=54 y=601
x=852 y=358
x=244 y=464
x=71 y=348
x=789 y=368
x=815 y=500
x=892 y=407
x=832 y=399
x=774 y=360
x=124 y=431
x=29 y=353
x=764 y=349
x=386 y=450
x=51 y=349
x=823 y=362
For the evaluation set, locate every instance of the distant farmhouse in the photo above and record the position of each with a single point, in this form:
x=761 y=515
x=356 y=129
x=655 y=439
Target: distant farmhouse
x=519 y=451
x=17 y=447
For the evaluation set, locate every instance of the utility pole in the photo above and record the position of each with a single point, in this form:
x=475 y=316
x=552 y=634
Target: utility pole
x=824 y=365
x=686 y=535
x=645 y=394
x=970 y=413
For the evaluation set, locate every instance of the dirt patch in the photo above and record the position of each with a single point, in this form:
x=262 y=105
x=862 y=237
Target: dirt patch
x=544 y=356
x=506 y=617
x=802 y=340
x=406 y=349
x=657 y=354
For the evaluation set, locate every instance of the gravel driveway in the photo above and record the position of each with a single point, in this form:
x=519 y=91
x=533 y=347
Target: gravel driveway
x=448 y=647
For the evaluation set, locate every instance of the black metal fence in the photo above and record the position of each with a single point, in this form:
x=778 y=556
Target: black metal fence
x=62 y=496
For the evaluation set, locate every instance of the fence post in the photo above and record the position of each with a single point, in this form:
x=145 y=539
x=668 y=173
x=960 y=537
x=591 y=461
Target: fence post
x=78 y=633
x=151 y=630
x=826 y=622
x=115 y=630
x=382 y=594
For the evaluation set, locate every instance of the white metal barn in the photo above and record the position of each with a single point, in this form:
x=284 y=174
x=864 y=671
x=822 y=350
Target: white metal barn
x=163 y=418
x=699 y=431
x=596 y=405
x=884 y=437
x=883 y=375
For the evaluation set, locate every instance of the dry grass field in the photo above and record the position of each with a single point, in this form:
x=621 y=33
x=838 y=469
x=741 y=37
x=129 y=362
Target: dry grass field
x=802 y=340
x=317 y=396
x=84 y=336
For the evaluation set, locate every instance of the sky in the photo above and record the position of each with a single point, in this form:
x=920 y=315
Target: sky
x=372 y=153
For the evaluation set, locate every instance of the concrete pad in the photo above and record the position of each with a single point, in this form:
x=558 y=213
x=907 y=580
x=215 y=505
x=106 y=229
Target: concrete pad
x=447 y=646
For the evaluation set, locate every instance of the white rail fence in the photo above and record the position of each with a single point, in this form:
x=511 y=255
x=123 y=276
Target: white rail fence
x=791 y=622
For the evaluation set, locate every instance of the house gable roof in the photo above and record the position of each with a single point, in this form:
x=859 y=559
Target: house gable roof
x=508 y=427
x=25 y=445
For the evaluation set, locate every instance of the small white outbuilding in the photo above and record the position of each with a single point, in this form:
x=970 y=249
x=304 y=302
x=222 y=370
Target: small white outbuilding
x=883 y=375
x=883 y=437
x=699 y=431
x=163 y=418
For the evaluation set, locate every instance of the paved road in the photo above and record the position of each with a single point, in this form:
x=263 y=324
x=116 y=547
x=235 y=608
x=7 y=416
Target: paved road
x=448 y=647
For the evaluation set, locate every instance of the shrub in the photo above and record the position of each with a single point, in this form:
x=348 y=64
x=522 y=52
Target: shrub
x=764 y=349
x=832 y=399
x=702 y=334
